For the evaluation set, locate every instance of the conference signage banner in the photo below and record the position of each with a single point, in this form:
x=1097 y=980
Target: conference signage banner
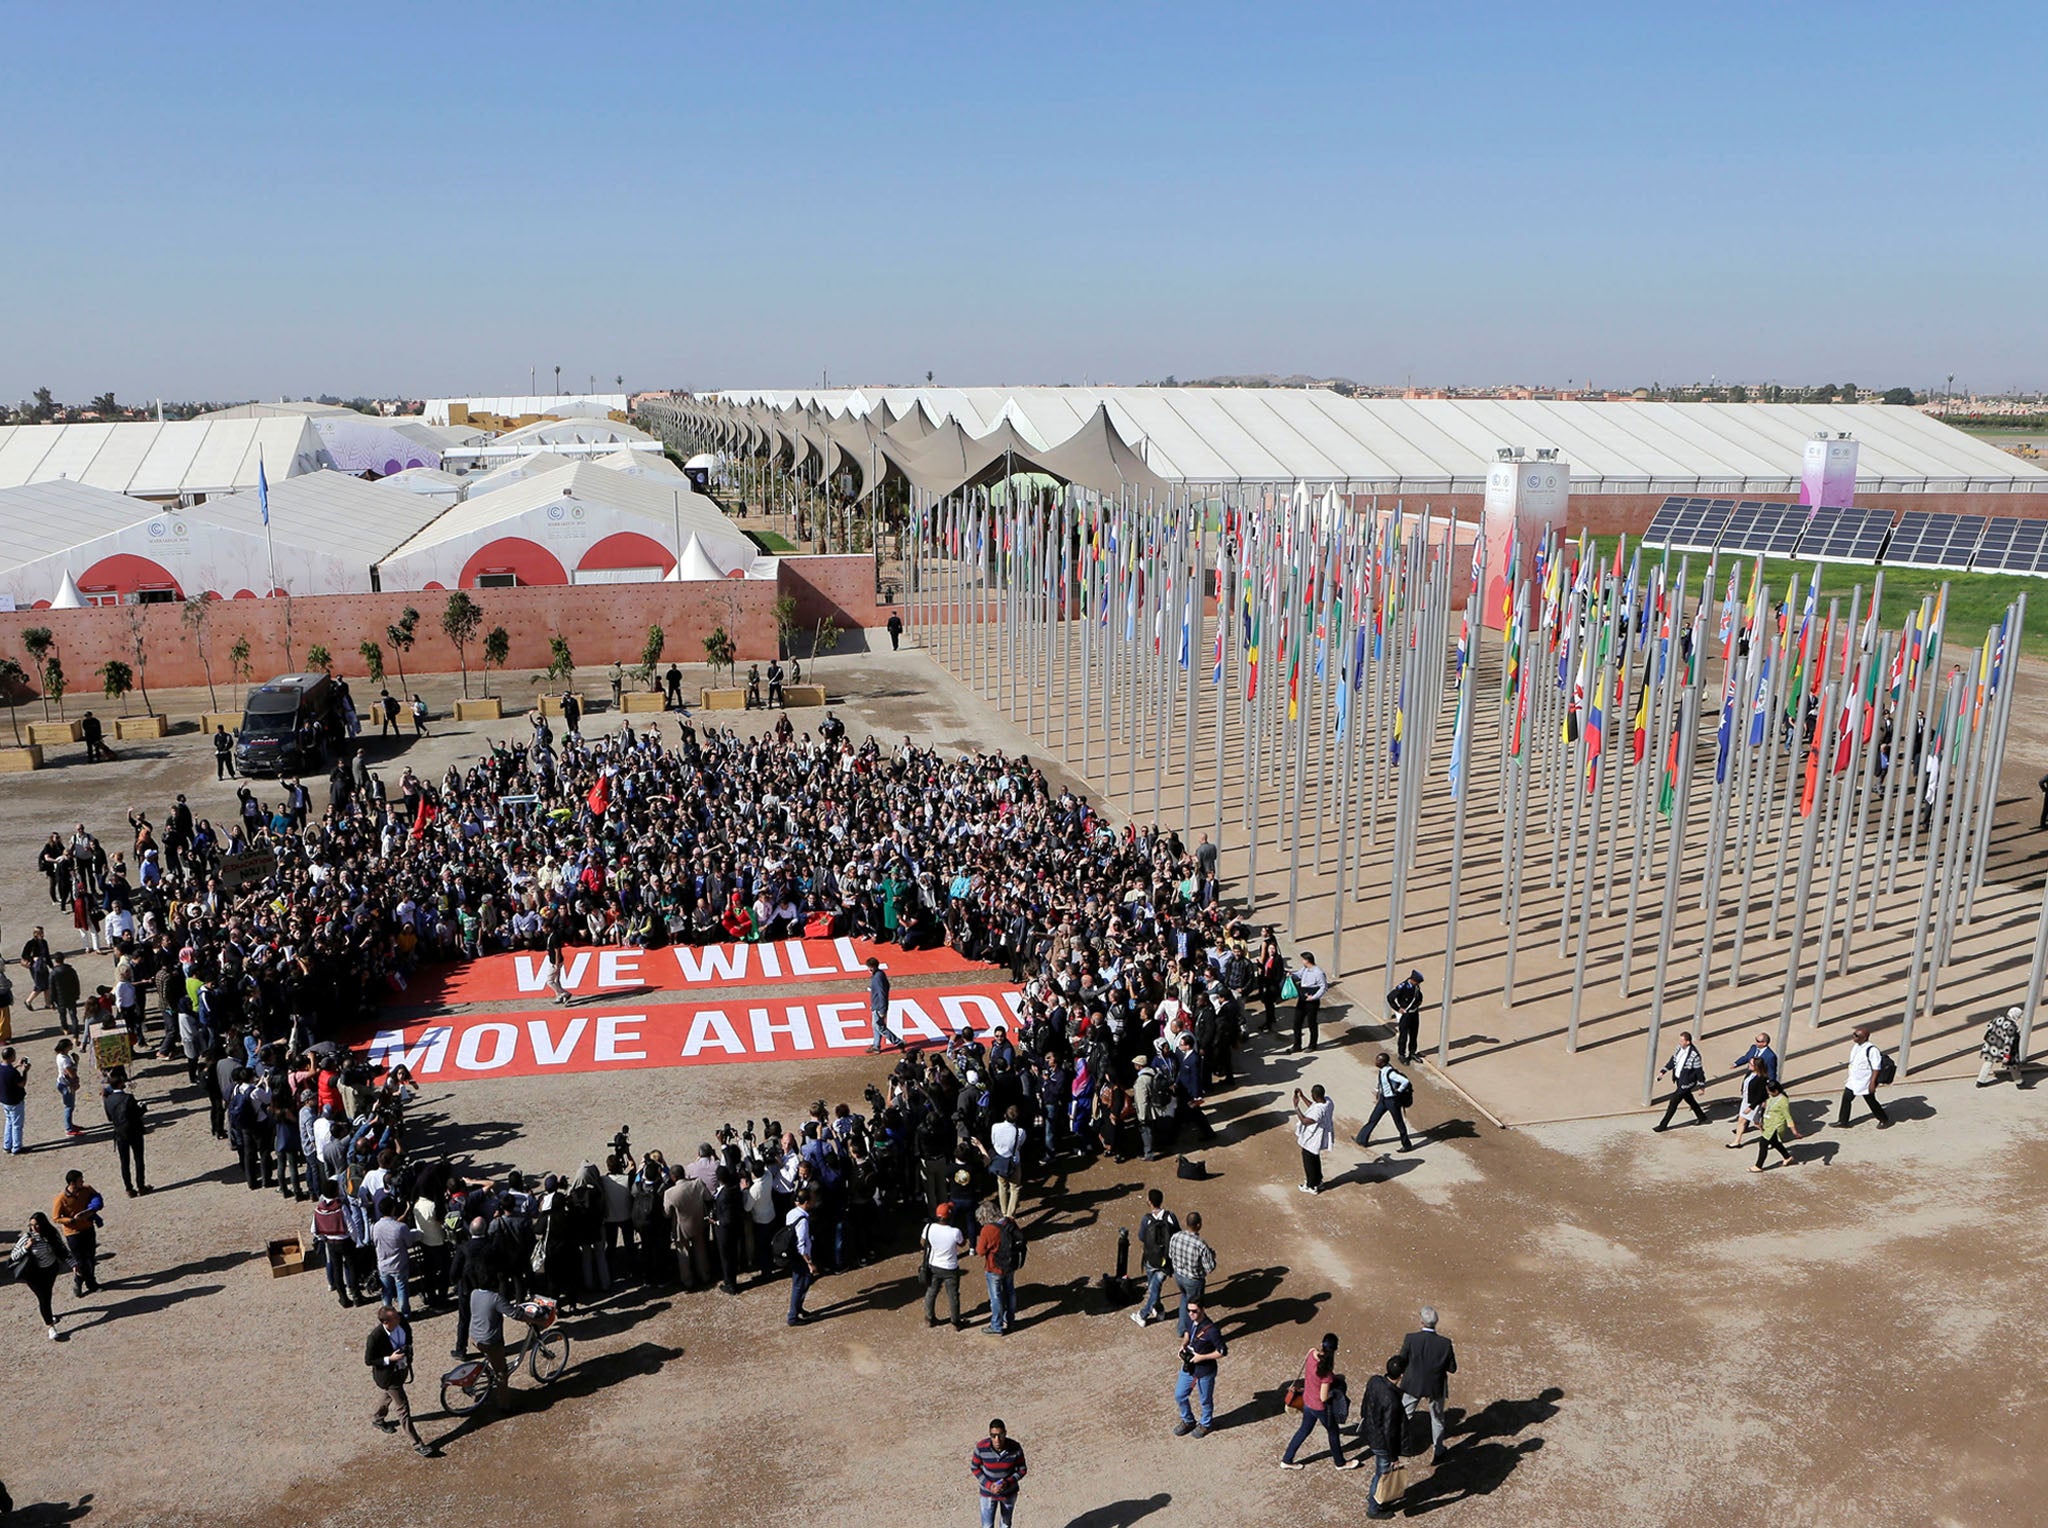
x=555 y=1041
x=676 y=968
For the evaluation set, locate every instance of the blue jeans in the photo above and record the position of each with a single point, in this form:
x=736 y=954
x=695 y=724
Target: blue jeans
x=1002 y=1301
x=1154 y=1278
x=1311 y=1419
x=70 y=1097
x=1204 y=1388
x=15 y=1114
x=1381 y=1463
x=396 y=1294
x=341 y=1269
x=1380 y=1110
x=1189 y=1290
x=996 y=1510
x=800 y=1279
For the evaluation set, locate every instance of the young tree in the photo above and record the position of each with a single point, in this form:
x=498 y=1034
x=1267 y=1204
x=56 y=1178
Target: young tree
x=38 y=642
x=373 y=661
x=317 y=656
x=785 y=622
x=824 y=639
x=289 y=614
x=718 y=650
x=13 y=688
x=138 y=644
x=400 y=635
x=239 y=669
x=53 y=682
x=561 y=663
x=650 y=653
x=117 y=679
x=459 y=622
x=198 y=610
x=497 y=648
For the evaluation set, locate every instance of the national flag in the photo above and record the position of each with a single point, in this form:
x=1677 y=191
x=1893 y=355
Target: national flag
x=1578 y=700
x=1400 y=718
x=1640 y=732
x=1667 y=789
x=1812 y=779
x=1459 y=738
x=263 y=490
x=1759 y=712
x=600 y=796
x=1595 y=731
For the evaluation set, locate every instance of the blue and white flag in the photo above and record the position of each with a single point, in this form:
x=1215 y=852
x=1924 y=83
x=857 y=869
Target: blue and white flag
x=263 y=490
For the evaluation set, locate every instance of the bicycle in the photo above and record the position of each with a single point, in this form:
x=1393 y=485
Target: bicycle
x=545 y=1353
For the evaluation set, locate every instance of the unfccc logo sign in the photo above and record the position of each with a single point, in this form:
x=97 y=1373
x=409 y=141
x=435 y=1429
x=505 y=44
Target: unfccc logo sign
x=158 y=530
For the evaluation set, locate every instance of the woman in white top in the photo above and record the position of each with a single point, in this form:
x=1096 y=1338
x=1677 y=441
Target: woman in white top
x=1006 y=1159
x=1315 y=1126
x=942 y=1244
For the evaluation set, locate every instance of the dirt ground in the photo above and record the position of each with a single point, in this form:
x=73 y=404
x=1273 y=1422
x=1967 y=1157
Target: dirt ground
x=1647 y=1333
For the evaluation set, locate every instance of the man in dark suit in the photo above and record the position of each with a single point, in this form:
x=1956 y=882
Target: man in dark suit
x=1431 y=1362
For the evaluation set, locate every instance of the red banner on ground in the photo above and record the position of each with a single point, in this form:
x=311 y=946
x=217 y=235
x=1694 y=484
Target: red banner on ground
x=588 y=972
x=558 y=1040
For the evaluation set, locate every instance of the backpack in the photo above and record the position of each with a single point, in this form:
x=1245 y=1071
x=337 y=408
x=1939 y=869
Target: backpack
x=1153 y=1236
x=1404 y=1095
x=1010 y=1248
x=1886 y=1070
x=782 y=1245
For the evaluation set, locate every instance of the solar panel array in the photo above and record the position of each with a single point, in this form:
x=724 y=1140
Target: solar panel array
x=1686 y=524
x=1772 y=529
x=2012 y=546
x=1845 y=535
x=1926 y=539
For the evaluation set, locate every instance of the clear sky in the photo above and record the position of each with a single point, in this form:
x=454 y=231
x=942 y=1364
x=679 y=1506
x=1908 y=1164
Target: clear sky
x=209 y=201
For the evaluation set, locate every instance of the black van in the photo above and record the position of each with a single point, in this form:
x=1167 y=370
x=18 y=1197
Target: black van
x=288 y=725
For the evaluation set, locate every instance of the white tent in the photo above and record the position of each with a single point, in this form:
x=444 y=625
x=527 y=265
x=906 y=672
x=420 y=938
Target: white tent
x=579 y=523
x=68 y=597
x=697 y=565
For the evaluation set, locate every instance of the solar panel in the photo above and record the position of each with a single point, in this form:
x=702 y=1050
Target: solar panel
x=1759 y=526
x=1689 y=524
x=1929 y=540
x=1659 y=533
x=1844 y=535
x=2011 y=546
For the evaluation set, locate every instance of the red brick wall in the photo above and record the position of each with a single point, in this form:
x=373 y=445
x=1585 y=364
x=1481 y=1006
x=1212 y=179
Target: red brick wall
x=842 y=587
x=603 y=623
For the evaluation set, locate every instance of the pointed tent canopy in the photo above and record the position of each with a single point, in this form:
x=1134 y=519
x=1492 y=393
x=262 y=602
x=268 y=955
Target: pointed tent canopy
x=695 y=565
x=953 y=458
x=68 y=597
x=912 y=425
x=1096 y=456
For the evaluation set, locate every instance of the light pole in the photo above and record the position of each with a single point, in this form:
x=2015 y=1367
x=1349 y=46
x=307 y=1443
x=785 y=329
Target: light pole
x=558 y=381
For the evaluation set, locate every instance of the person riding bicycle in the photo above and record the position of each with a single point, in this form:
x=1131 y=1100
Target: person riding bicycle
x=488 y=1309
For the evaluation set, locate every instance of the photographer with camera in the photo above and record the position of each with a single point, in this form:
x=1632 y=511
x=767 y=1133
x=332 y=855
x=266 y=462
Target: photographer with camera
x=1199 y=1352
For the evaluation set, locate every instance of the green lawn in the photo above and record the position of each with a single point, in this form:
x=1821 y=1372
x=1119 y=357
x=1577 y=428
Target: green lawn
x=772 y=542
x=1975 y=600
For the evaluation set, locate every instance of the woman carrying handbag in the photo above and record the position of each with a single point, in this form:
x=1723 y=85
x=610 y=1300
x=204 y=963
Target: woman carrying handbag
x=1321 y=1395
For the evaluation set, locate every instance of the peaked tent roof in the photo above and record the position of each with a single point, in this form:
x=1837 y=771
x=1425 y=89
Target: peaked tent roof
x=1097 y=457
x=67 y=596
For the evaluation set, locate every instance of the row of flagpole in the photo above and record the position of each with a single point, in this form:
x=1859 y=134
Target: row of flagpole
x=1827 y=753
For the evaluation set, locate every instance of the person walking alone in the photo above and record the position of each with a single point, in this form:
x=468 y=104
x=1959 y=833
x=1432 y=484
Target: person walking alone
x=1688 y=1075
x=126 y=1116
x=1309 y=986
x=77 y=1214
x=1200 y=1349
x=1431 y=1361
x=878 y=1006
x=1155 y=1232
x=1392 y=1093
x=1321 y=1388
x=998 y=1467
x=1315 y=1121
x=39 y=1256
x=1382 y=1421
x=1865 y=1061
x=388 y=1353
x=1405 y=1003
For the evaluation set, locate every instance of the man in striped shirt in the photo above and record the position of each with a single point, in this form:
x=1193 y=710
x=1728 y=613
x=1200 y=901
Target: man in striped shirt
x=997 y=1464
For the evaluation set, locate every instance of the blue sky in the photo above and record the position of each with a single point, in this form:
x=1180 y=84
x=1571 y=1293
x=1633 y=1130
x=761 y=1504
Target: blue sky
x=225 y=202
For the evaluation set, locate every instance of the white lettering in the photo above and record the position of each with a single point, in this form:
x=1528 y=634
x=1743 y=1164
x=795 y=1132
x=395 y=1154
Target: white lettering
x=796 y=1024
x=618 y=968
x=770 y=966
x=729 y=961
x=545 y=1051
x=848 y=961
x=611 y=1030
x=905 y=1014
x=844 y=1033
x=424 y=1057
x=710 y=1026
x=467 y=1053
x=532 y=973
x=800 y=963
x=957 y=1007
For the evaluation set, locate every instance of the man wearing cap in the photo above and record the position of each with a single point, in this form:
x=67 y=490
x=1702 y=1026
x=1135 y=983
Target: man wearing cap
x=2001 y=1047
x=1405 y=1001
x=878 y=1006
x=942 y=1243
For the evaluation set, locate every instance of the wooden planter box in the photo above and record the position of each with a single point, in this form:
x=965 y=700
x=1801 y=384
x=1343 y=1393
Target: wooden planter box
x=287 y=1256
x=643 y=700
x=725 y=700
x=489 y=708
x=47 y=733
x=141 y=726
x=803 y=695
x=19 y=761
x=208 y=720
x=551 y=705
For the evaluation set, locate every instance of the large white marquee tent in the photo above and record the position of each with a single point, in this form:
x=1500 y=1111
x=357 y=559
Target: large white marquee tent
x=151 y=460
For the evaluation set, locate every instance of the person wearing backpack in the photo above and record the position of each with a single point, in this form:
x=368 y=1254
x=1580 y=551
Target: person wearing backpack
x=1688 y=1075
x=1392 y=1094
x=1154 y=1232
x=1869 y=1069
x=1001 y=1245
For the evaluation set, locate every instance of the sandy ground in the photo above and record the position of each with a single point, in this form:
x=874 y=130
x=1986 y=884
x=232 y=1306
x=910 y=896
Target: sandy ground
x=1647 y=1333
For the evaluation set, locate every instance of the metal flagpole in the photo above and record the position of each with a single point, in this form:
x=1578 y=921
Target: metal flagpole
x=1461 y=789
x=1951 y=713
x=2038 y=971
x=1193 y=606
x=2006 y=669
x=1761 y=761
x=1517 y=796
x=1840 y=811
x=1688 y=724
x=1807 y=835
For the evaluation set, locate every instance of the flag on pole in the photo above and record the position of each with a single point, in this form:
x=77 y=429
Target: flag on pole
x=1640 y=732
x=1400 y=718
x=1595 y=730
x=1667 y=789
x=263 y=490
